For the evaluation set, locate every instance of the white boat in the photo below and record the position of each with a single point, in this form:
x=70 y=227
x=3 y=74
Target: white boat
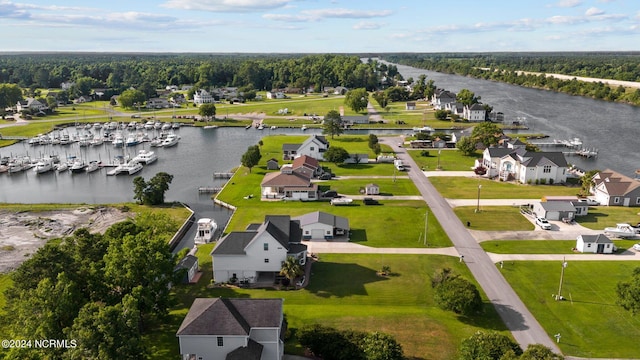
x=341 y=201
x=96 y=141
x=157 y=125
x=273 y=127
x=166 y=126
x=170 y=140
x=78 y=166
x=118 y=140
x=62 y=167
x=210 y=127
x=133 y=167
x=16 y=165
x=575 y=142
x=149 y=125
x=176 y=125
x=97 y=125
x=206 y=230
x=145 y=157
x=155 y=142
x=65 y=139
x=92 y=166
x=260 y=127
x=43 y=165
x=304 y=127
x=132 y=140
x=622 y=231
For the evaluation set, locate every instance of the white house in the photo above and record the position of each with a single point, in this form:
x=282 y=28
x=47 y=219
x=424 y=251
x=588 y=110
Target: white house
x=275 y=95
x=31 y=104
x=314 y=146
x=441 y=97
x=158 y=103
x=320 y=225
x=233 y=328
x=615 y=189
x=527 y=167
x=202 y=97
x=291 y=186
x=597 y=244
x=474 y=113
x=258 y=254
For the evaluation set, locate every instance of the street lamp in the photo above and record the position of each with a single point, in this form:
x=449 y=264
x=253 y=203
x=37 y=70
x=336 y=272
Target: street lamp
x=478 y=206
x=439 y=151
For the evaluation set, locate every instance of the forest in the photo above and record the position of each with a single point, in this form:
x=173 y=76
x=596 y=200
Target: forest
x=507 y=67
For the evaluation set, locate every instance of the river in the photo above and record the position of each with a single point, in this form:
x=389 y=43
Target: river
x=611 y=128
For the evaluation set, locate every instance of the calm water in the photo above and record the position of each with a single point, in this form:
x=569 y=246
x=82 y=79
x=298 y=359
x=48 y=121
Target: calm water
x=613 y=129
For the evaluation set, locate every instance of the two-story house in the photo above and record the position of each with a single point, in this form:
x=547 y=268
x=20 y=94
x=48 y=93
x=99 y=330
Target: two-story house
x=474 y=113
x=441 y=97
x=202 y=97
x=304 y=165
x=233 y=328
x=31 y=104
x=257 y=254
x=314 y=146
x=527 y=167
x=615 y=189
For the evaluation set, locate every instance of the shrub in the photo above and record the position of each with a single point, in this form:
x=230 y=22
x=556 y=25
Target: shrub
x=424 y=153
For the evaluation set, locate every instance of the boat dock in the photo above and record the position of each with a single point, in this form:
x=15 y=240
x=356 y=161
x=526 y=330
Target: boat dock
x=222 y=175
x=209 y=189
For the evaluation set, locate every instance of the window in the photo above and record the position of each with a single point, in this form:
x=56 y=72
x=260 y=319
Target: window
x=266 y=246
x=306 y=232
x=588 y=245
x=312 y=148
x=266 y=261
x=638 y=200
x=220 y=341
x=616 y=200
x=546 y=169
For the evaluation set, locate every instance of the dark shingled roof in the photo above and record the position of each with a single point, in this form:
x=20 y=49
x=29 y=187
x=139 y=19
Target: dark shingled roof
x=290 y=147
x=324 y=218
x=187 y=262
x=253 y=351
x=234 y=243
x=596 y=239
x=220 y=316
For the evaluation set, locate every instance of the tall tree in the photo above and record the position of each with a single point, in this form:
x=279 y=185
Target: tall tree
x=336 y=154
x=487 y=346
x=486 y=133
x=467 y=97
x=357 y=99
x=153 y=191
x=291 y=269
x=10 y=94
x=629 y=292
x=332 y=124
x=131 y=98
x=466 y=145
x=251 y=157
x=207 y=111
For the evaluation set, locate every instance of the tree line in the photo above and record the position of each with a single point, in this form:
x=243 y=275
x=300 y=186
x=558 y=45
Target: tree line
x=509 y=67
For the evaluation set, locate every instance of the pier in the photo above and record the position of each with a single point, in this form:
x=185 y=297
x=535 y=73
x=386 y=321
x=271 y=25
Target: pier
x=222 y=175
x=209 y=189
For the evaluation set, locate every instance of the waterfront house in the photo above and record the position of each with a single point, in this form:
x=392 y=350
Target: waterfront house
x=158 y=103
x=615 y=189
x=442 y=97
x=474 y=113
x=597 y=244
x=314 y=146
x=202 y=97
x=233 y=328
x=527 y=167
x=257 y=254
x=320 y=225
x=288 y=186
x=304 y=165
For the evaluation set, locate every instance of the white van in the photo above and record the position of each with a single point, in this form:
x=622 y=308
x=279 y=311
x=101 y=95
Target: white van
x=399 y=165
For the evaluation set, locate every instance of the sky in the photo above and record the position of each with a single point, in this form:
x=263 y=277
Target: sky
x=320 y=26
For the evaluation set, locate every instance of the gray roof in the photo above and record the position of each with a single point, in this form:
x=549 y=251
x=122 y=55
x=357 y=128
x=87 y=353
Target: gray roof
x=596 y=239
x=476 y=106
x=221 y=316
x=187 y=262
x=296 y=248
x=234 y=243
x=544 y=158
x=290 y=147
x=324 y=218
x=499 y=151
x=253 y=351
x=558 y=206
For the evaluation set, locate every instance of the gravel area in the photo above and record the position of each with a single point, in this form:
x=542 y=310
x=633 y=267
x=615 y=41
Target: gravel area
x=23 y=233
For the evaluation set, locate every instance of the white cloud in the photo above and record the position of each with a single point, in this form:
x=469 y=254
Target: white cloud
x=593 y=11
x=321 y=14
x=568 y=3
x=564 y=20
x=227 y=5
x=367 y=25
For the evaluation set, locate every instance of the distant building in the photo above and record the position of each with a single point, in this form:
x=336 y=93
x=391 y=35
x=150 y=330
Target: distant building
x=202 y=97
x=615 y=189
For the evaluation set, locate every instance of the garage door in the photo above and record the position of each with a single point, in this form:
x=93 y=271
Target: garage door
x=317 y=234
x=553 y=215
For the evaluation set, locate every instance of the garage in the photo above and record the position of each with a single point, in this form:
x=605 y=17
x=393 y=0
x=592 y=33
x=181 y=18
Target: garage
x=554 y=210
x=317 y=234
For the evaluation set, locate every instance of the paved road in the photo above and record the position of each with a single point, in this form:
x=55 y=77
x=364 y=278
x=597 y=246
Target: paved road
x=523 y=325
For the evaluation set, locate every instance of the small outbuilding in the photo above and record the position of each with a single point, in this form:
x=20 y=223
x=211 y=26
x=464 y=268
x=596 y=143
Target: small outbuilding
x=597 y=244
x=272 y=164
x=320 y=225
x=372 y=189
x=555 y=210
x=188 y=264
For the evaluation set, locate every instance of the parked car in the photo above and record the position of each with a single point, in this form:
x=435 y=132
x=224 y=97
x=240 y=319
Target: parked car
x=543 y=223
x=636 y=247
x=589 y=202
x=370 y=201
x=325 y=176
x=330 y=194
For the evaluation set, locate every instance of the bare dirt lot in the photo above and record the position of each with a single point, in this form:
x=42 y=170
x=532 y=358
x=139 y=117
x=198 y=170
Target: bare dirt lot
x=23 y=233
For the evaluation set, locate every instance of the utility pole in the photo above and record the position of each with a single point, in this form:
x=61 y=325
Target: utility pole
x=564 y=265
x=426 y=227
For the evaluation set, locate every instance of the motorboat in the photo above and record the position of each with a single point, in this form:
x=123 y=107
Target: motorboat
x=43 y=165
x=304 y=127
x=145 y=157
x=129 y=168
x=132 y=140
x=92 y=166
x=118 y=140
x=170 y=140
x=157 y=125
x=166 y=126
x=260 y=127
x=96 y=141
x=149 y=125
x=206 y=230
x=78 y=166
x=65 y=139
x=97 y=126
x=16 y=165
x=176 y=125
x=155 y=142
x=622 y=231
x=341 y=201
x=62 y=167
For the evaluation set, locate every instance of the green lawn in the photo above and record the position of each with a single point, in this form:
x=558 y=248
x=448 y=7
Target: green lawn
x=467 y=188
x=450 y=159
x=297 y=105
x=388 y=187
x=541 y=246
x=590 y=323
x=5 y=283
x=401 y=304
x=494 y=218
x=603 y=216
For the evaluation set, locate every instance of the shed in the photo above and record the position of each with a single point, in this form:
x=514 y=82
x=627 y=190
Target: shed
x=597 y=244
x=319 y=225
x=272 y=164
x=188 y=263
x=554 y=210
x=372 y=189
x=410 y=105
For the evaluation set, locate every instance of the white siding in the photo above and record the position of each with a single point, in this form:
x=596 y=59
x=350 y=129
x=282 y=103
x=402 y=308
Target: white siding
x=206 y=346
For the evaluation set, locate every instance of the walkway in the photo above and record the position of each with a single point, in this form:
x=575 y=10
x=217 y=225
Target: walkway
x=523 y=325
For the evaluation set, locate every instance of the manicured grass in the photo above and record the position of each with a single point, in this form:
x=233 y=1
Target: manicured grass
x=387 y=186
x=401 y=304
x=450 y=159
x=541 y=246
x=467 y=188
x=494 y=218
x=590 y=322
x=5 y=283
x=297 y=105
x=603 y=216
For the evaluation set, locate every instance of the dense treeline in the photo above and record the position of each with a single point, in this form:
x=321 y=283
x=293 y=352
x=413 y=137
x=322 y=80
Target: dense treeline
x=100 y=293
x=152 y=71
x=507 y=67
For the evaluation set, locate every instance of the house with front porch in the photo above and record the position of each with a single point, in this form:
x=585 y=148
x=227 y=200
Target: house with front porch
x=202 y=97
x=474 y=113
x=288 y=186
x=31 y=104
x=441 y=98
x=233 y=328
x=158 y=103
x=526 y=167
x=314 y=146
x=615 y=189
x=257 y=254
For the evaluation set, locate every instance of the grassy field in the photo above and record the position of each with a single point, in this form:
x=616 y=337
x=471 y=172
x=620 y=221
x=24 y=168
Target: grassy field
x=388 y=187
x=602 y=216
x=401 y=304
x=541 y=246
x=467 y=188
x=450 y=159
x=494 y=218
x=590 y=322
x=297 y=105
